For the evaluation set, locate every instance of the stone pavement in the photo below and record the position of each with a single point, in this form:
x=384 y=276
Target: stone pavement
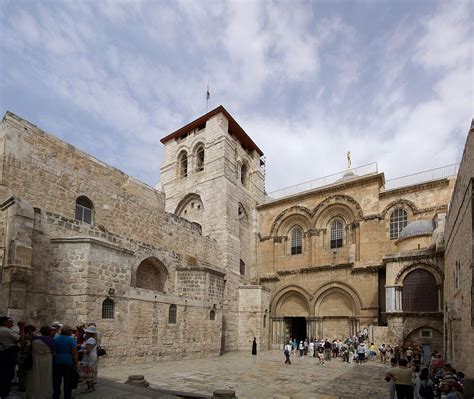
x=262 y=376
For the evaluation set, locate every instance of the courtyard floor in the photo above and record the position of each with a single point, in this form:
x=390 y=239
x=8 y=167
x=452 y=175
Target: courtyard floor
x=262 y=376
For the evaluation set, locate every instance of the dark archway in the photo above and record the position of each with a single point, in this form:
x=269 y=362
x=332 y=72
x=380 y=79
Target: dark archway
x=151 y=274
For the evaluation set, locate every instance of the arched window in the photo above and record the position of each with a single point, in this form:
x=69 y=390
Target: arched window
x=108 y=307
x=243 y=173
x=242 y=267
x=151 y=274
x=212 y=315
x=419 y=293
x=84 y=209
x=172 y=314
x=296 y=241
x=200 y=158
x=336 y=234
x=398 y=220
x=183 y=164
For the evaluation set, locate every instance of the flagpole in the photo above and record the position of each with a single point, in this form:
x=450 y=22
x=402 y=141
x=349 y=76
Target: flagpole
x=208 y=95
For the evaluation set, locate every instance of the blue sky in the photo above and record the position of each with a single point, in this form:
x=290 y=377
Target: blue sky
x=392 y=81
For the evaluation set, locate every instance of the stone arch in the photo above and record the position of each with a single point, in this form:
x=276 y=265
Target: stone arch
x=340 y=288
x=344 y=201
x=430 y=267
x=291 y=299
x=402 y=203
x=199 y=155
x=191 y=208
x=303 y=212
x=150 y=274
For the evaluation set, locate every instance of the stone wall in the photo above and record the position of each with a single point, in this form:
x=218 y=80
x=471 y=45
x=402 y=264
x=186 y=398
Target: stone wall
x=459 y=265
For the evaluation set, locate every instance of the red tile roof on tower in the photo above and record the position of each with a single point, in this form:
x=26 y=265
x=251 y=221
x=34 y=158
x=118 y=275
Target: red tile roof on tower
x=234 y=129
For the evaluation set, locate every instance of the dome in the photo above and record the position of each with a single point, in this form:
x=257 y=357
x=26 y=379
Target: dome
x=416 y=228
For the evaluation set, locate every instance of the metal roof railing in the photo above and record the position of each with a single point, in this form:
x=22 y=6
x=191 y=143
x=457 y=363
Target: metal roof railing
x=322 y=181
x=422 y=177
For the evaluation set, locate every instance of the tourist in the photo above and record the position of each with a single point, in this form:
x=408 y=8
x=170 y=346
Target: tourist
x=56 y=328
x=402 y=375
x=65 y=361
x=301 y=348
x=390 y=380
x=383 y=353
x=327 y=350
x=361 y=350
x=350 y=356
x=40 y=376
x=424 y=386
x=321 y=354
x=345 y=353
x=295 y=345
x=88 y=365
x=311 y=348
x=409 y=354
x=9 y=349
x=373 y=351
x=287 y=352
x=254 y=346
x=25 y=347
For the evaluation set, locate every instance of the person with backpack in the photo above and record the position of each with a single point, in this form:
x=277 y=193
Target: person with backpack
x=383 y=353
x=287 y=351
x=424 y=386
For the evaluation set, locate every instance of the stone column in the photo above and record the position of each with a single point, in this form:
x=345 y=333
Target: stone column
x=17 y=270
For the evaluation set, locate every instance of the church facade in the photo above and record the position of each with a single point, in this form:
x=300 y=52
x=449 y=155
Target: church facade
x=206 y=260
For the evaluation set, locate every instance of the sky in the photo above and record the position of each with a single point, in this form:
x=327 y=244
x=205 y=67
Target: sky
x=391 y=81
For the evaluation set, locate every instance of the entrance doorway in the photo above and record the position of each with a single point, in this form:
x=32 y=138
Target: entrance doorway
x=296 y=328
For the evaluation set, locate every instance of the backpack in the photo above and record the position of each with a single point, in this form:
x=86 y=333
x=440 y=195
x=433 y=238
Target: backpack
x=426 y=391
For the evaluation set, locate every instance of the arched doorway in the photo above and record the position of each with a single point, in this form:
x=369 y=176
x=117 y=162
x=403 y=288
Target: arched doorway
x=292 y=312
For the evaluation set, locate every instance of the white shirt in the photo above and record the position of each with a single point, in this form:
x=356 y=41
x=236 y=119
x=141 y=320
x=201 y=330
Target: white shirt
x=8 y=338
x=288 y=347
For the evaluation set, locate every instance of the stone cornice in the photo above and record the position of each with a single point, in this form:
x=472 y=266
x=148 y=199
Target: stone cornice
x=414 y=187
x=91 y=241
x=415 y=255
x=204 y=269
x=435 y=315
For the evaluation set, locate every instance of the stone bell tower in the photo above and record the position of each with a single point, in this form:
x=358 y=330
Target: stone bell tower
x=212 y=175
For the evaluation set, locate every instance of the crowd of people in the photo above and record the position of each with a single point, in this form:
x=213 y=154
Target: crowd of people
x=47 y=361
x=409 y=376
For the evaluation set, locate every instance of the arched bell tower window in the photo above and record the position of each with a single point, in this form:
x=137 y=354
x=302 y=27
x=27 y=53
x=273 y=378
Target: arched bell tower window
x=297 y=241
x=183 y=164
x=84 y=208
x=398 y=221
x=200 y=158
x=336 y=234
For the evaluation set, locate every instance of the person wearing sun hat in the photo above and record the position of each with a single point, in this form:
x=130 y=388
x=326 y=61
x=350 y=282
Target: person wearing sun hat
x=88 y=365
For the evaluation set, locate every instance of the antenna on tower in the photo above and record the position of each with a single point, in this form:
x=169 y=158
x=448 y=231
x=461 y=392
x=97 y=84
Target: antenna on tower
x=208 y=96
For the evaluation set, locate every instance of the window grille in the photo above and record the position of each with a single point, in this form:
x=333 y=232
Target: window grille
x=242 y=267
x=426 y=334
x=296 y=241
x=398 y=220
x=183 y=164
x=212 y=315
x=336 y=234
x=172 y=314
x=200 y=159
x=419 y=292
x=108 y=307
x=84 y=210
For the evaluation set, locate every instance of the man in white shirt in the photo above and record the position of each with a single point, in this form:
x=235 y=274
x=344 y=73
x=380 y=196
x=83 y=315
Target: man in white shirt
x=8 y=353
x=287 y=352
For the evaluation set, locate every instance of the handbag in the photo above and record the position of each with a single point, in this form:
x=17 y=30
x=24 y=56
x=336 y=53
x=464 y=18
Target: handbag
x=101 y=351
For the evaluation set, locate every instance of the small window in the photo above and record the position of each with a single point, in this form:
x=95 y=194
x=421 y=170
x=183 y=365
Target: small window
x=242 y=267
x=172 y=314
x=84 y=209
x=243 y=174
x=212 y=315
x=398 y=221
x=264 y=321
x=336 y=234
x=200 y=158
x=296 y=241
x=183 y=164
x=426 y=333
x=457 y=275
x=108 y=307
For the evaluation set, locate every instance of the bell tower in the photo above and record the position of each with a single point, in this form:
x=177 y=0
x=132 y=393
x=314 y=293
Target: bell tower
x=212 y=175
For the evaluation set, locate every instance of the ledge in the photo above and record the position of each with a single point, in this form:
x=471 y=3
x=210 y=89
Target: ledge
x=92 y=241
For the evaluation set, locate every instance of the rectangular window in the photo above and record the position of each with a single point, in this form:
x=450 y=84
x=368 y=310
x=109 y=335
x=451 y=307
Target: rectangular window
x=426 y=334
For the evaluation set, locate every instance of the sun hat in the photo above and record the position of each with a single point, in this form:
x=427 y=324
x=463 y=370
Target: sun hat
x=91 y=329
x=56 y=324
